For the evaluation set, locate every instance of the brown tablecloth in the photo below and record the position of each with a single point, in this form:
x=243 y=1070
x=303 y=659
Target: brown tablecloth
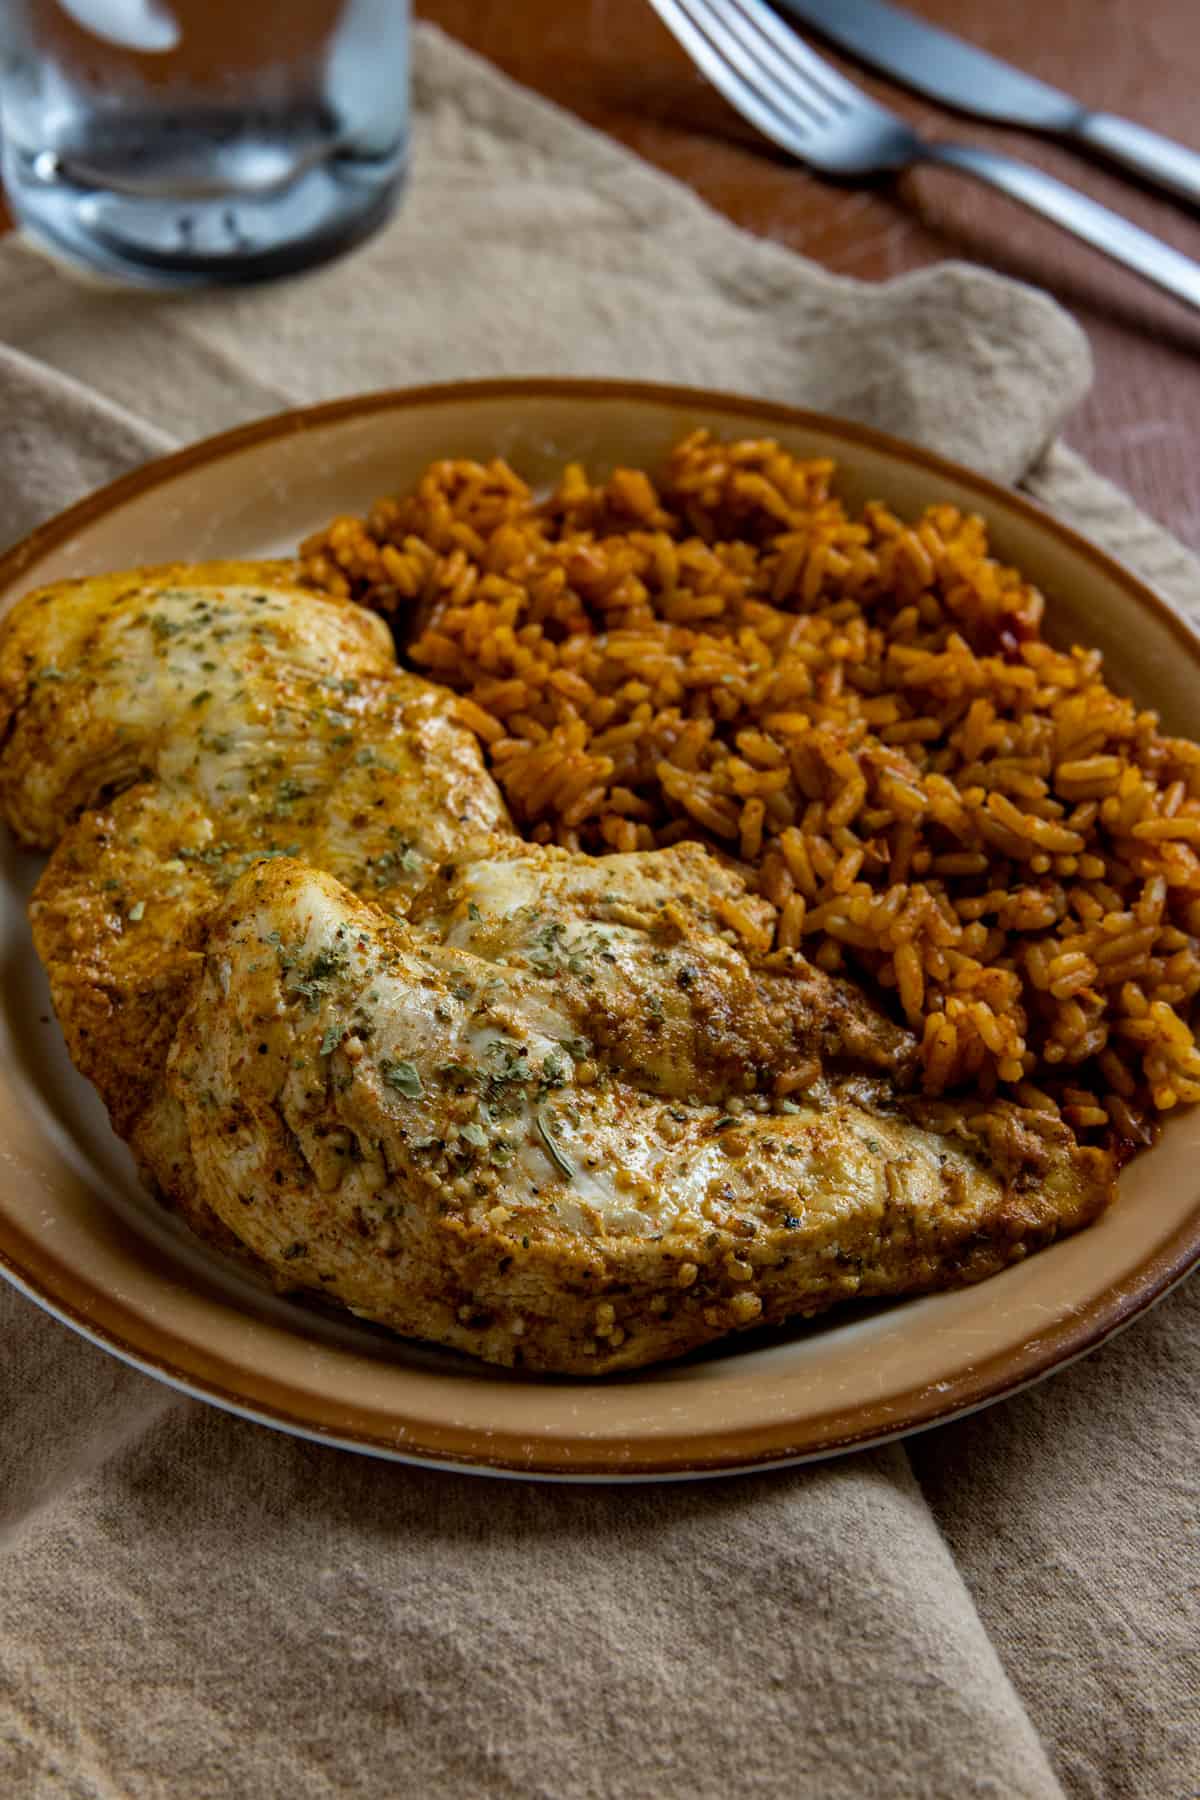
x=191 y=1605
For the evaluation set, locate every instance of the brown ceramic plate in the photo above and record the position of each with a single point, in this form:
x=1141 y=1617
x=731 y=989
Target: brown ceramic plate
x=80 y=1238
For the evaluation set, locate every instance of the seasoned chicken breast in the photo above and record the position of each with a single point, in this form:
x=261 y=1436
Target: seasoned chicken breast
x=432 y=1137
x=661 y=955
x=208 y=716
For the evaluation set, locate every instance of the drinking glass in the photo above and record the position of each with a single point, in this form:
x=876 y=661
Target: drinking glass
x=181 y=143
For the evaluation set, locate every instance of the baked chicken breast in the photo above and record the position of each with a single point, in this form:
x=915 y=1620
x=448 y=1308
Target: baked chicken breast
x=431 y=1136
x=164 y=729
x=543 y=1107
x=662 y=957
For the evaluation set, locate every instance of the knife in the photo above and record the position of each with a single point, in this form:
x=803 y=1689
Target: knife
x=940 y=65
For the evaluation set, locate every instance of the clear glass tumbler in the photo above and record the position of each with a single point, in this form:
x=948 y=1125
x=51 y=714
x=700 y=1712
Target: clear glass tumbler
x=184 y=143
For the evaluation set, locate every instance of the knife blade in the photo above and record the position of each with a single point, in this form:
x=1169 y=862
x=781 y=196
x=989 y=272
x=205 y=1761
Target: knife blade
x=942 y=66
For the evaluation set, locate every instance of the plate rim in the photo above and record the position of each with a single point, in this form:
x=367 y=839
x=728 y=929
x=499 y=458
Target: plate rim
x=153 y=1348
x=459 y=1450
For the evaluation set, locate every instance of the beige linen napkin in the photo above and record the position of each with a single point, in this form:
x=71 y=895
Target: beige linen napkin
x=192 y=1606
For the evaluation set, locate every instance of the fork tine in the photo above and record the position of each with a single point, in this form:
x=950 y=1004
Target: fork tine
x=751 y=51
x=744 y=98
x=798 y=57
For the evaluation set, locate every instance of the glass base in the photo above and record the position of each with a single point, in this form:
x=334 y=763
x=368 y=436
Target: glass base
x=214 y=241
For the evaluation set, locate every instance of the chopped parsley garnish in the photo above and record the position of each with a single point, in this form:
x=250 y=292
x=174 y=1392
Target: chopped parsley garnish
x=557 y=1156
x=311 y=983
x=404 y=1077
x=384 y=868
x=461 y=1074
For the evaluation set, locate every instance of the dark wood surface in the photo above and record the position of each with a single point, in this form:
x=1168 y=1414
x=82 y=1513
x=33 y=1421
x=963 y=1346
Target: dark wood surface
x=615 y=65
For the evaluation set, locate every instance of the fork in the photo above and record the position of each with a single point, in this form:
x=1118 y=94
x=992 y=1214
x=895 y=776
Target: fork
x=775 y=81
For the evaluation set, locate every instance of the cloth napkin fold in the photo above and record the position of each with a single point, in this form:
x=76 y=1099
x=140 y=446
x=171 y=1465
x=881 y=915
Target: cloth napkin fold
x=193 y=1606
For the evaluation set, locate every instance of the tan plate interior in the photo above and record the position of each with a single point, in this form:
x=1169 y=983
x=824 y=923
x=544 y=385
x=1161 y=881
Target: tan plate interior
x=77 y=1234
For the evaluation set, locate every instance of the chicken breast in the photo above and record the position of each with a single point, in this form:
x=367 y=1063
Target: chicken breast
x=432 y=1138
x=662 y=957
x=207 y=716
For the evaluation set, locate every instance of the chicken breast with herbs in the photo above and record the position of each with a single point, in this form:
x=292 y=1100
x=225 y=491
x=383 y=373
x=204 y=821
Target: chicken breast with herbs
x=431 y=1137
x=165 y=729
x=664 y=958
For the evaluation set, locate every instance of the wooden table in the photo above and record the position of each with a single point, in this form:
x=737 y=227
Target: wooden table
x=614 y=64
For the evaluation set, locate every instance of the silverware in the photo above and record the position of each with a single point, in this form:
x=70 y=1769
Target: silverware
x=800 y=103
x=938 y=64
